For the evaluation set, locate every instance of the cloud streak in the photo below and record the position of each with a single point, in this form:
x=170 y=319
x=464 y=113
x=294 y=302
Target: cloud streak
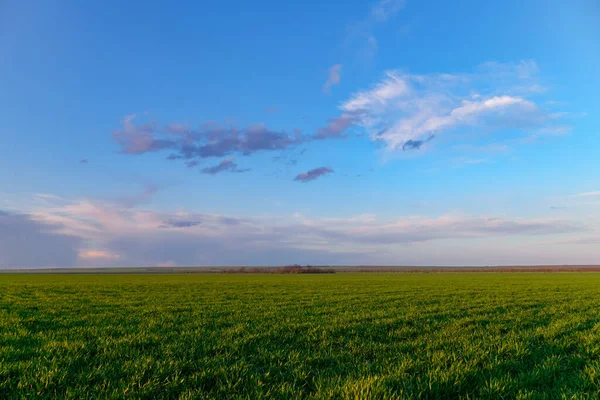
x=313 y=174
x=97 y=256
x=180 y=223
x=226 y=165
x=415 y=144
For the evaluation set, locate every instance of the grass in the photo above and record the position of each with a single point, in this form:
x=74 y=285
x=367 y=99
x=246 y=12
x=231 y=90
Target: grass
x=342 y=336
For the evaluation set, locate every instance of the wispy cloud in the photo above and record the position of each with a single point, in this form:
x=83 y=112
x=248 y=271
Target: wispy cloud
x=139 y=139
x=361 y=35
x=227 y=165
x=405 y=111
x=588 y=194
x=336 y=127
x=334 y=78
x=143 y=197
x=546 y=132
x=313 y=174
x=393 y=86
x=385 y=9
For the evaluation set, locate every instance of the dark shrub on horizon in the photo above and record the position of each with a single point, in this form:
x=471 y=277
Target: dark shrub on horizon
x=299 y=269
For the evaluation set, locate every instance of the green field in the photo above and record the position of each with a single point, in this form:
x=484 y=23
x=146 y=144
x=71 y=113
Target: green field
x=347 y=336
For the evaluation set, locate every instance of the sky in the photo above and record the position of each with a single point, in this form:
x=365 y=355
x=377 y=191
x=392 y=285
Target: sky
x=384 y=132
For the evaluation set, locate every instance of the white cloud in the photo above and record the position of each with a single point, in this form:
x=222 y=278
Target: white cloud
x=392 y=87
x=406 y=109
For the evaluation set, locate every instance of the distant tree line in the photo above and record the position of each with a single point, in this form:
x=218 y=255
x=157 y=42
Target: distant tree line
x=286 y=269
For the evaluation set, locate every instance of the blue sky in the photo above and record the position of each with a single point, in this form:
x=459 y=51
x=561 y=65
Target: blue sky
x=373 y=132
